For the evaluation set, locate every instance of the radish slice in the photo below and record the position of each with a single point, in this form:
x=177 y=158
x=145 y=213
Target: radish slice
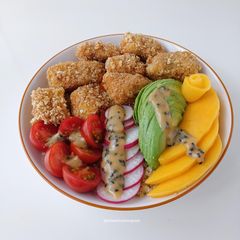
x=131 y=152
x=129 y=124
x=131 y=138
x=126 y=195
x=129 y=120
x=133 y=178
x=128 y=112
x=134 y=163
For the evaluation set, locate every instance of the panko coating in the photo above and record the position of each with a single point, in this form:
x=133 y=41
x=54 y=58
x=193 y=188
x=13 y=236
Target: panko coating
x=49 y=105
x=89 y=99
x=140 y=45
x=123 y=87
x=71 y=75
x=96 y=51
x=126 y=63
x=175 y=65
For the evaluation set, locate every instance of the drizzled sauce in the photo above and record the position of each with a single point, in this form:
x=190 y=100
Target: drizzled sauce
x=189 y=141
x=114 y=156
x=158 y=100
x=173 y=135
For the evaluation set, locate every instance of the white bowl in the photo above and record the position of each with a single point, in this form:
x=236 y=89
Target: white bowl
x=35 y=157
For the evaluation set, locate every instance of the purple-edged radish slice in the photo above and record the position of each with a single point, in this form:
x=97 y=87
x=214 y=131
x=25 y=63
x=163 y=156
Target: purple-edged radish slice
x=131 y=152
x=131 y=138
x=126 y=195
x=129 y=124
x=134 y=163
x=128 y=112
x=133 y=178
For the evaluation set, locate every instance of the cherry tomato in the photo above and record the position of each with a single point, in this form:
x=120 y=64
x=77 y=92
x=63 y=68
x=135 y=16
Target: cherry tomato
x=40 y=133
x=103 y=118
x=70 y=125
x=55 y=157
x=93 y=131
x=86 y=155
x=84 y=179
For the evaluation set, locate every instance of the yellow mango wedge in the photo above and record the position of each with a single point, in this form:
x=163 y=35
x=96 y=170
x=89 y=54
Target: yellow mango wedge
x=197 y=121
x=183 y=164
x=172 y=153
x=208 y=140
x=200 y=115
x=181 y=182
x=171 y=170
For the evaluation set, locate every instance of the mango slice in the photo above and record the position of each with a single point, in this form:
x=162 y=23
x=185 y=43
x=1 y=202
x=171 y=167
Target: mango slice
x=172 y=153
x=208 y=140
x=195 y=86
x=199 y=116
x=181 y=182
x=171 y=170
x=197 y=121
x=183 y=164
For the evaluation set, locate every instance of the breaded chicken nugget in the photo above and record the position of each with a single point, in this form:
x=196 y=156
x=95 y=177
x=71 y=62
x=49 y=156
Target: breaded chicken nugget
x=126 y=63
x=49 y=105
x=71 y=75
x=123 y=87
x=96 y=51
x=89 y=99
x=175 y=65
x=140 y=45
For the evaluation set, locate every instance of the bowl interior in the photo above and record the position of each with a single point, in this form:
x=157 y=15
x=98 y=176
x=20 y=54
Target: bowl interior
x=39 y=80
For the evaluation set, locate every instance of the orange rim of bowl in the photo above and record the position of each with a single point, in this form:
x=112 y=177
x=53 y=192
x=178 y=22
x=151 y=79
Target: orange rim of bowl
x=128 y=208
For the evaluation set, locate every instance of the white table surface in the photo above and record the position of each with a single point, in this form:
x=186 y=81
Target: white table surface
x=30 y=33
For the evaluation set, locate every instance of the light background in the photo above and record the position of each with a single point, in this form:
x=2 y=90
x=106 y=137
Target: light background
x=30 y=33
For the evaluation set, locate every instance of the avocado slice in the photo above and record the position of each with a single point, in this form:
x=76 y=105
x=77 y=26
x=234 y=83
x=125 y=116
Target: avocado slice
x=152 y=138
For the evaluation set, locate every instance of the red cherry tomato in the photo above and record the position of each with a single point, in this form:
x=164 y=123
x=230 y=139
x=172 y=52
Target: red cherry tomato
x=93 y=131
x=82 y=180
x=40 y=134
x=70 y=125
x=86 y=155
x=55 y=157
x=103 y=119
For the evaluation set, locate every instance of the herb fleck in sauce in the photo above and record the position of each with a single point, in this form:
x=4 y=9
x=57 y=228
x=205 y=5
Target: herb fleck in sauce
x=114 y=156
x=192 y=149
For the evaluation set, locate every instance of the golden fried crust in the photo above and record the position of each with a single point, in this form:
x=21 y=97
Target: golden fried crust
x=140 y=45
x=71 y=75
x=175 y=65
x=97 y=51
x=49 y=105
x=89 y=99
x=123 y=87
x=126 y=63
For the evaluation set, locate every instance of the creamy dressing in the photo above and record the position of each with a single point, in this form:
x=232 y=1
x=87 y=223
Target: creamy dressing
x=189 y=141
x=114 y=156
x=158 y=100
x=74 y=162
x=173 y=135
x=78 y=139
